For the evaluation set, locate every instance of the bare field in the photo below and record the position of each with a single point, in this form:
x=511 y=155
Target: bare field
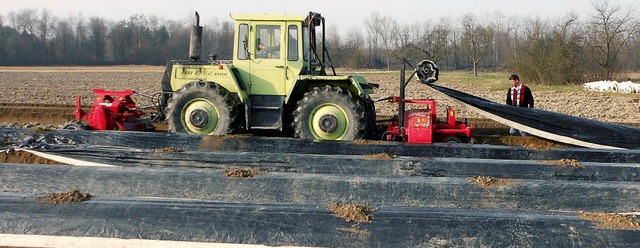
x=60 y=85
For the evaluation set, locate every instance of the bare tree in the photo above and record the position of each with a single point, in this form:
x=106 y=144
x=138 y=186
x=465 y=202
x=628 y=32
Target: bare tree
x=435 y=41
x=567 y=38
x=335 y=46
x=121 y=41
x=476 y=40
x=610 y=30
x=45 y=23
x=373 y=43
x=388 y=31
x=355 y=55
x=513 y=33
x=219 y=39
x=533 y=60
x=180 y=33
x=379 y=37
x=498 y=43
x=403 y=38
x=82 y=43
x=63 y=42
x=636 y=52
x=98 y=38
x=27 y=21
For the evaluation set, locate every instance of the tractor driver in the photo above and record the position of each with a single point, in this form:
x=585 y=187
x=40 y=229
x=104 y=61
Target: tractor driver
x=519 y=95
x=264 y=52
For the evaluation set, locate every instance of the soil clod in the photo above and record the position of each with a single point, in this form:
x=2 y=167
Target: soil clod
x=168 y=149
x=487 y=182
x=351 y=212
x=382 y=156
x=612 y=220
x=242 y=173
x=65 y=197
x=565 y=162
x=369 y=141
x=22 y=157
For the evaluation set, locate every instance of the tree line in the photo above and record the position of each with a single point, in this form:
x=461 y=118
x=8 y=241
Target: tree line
x=32 y=37
x=572 y=49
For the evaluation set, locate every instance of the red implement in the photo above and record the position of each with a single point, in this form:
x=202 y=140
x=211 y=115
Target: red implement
x=112 y=110
x=422 y=125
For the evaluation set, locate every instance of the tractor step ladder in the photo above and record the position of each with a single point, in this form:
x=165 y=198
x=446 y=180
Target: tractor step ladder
x=266 y=112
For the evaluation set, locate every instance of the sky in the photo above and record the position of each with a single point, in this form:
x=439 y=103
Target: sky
x=345 y=14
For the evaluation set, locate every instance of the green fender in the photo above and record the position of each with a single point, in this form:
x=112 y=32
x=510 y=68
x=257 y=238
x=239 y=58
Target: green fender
x=221 y=74
x=352 y=83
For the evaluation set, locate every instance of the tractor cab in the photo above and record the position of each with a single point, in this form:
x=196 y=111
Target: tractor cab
x=273 y=50
x=289 y=39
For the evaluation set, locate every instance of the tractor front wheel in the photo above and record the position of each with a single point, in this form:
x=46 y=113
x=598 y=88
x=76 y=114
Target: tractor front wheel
x=329 y=113
x=201 y=108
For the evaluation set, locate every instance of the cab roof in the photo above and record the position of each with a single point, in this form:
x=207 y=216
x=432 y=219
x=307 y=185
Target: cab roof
x=268 y=17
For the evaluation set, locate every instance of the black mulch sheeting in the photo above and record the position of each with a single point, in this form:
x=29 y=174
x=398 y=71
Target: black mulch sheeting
x=583 y=129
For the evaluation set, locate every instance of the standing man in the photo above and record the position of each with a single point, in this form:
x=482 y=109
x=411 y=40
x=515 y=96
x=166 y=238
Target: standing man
x=519 y=95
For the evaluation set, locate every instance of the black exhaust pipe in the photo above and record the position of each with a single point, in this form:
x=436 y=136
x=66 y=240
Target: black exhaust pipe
x=195 y=43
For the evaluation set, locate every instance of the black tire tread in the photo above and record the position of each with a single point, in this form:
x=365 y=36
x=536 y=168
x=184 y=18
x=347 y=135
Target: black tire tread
x=216 y=94
x=354 y=105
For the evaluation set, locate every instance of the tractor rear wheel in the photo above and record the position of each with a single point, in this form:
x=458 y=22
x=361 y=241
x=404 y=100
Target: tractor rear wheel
x=74 y=125
x=201 y=108
x=329 y=113
x=373 y=131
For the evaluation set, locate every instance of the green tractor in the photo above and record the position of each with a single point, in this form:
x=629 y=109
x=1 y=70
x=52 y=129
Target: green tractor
x=276 y=81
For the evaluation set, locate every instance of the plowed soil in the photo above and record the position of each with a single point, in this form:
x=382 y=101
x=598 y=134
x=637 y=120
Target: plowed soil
x=488 y=182
x=22 y=157
x=45 y=96
x=351 y=212
x=612 y=221
x=242 y=173
x=64 y=197
x=566 y=162
x=60 y=85
x=381 y=156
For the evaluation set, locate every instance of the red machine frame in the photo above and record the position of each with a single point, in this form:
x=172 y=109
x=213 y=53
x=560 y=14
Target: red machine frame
x=112 y=109
x=422 y=125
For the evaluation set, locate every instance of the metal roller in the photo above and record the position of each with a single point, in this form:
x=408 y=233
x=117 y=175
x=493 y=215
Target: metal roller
x=427 y=71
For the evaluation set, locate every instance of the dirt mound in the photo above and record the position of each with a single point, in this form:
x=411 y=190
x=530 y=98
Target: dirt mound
x=612 y=221
x=169 y=149
x=22 y=157
x=381 y=156
x=65 y=197
x=488 y=182
x=242 y=173
x=351 y=212
x=565 y=162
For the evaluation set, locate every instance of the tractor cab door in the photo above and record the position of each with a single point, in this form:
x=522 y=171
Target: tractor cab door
x=268 y=75
x=268 y=67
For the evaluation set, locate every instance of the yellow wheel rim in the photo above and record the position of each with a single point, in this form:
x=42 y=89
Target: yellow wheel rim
x=200 y=116
x=328 y=122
